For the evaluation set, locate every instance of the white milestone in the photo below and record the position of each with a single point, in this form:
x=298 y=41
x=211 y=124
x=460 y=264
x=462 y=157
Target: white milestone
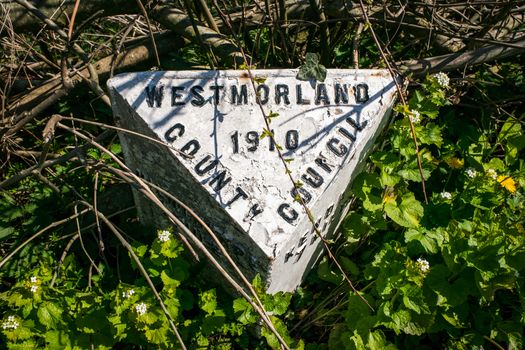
x=217 y=160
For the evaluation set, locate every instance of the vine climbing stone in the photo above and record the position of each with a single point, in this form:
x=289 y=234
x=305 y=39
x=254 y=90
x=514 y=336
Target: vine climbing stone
x=220 y=160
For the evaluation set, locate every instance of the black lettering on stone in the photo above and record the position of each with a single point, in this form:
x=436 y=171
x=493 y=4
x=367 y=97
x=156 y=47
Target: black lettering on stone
x=340 y=150
x=347 y=134
x=314 y=179
x=299 y=254
x=288 y=255
x=299 y=93
x=287 y=213
x=361 y=93
x=292 y=139
x=216 y=93
x=221 y=180
x=240 y=194
x=341 y=93
x=359 y=127
x=252 y=137
x=263 y=97
x=239 y=97
x=198 y=100
x=192 y=147
x=175 y=95
x=302 y=240
x=200 y=169
x=321 y=95
x=154 y=95
x=254 y=211
x=282 y=91
x=329 y=211
x=305 y=195
x=323 y=164
x=170 y=136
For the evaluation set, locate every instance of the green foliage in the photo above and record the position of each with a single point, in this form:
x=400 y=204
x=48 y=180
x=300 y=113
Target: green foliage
x=312 y=68
x=446 y=273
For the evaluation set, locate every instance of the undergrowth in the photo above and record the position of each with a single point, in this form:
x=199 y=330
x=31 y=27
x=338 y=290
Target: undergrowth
x=442 y=274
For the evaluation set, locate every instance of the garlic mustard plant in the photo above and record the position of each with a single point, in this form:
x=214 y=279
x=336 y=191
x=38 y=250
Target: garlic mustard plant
x=141 y=309
x=164 y=235
x=442 y=79
x=423 y=265
x=10 y=323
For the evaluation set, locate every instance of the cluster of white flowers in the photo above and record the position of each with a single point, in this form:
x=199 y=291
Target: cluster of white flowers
x=442 y=79
x=34 y=286
x=11 y=323
x=446 y=195
x=423 y=264
x=471 y=172
x=128 y=294
x=164 y=236
x=415 y=117
x=492 y=174
x=141 y=308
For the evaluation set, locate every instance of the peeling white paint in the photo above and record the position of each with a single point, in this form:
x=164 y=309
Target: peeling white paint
x=222 y=128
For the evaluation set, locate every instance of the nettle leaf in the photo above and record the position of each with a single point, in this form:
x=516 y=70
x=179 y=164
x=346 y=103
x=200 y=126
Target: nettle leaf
x=49 y=314
x=407 y=213
x=312 y=69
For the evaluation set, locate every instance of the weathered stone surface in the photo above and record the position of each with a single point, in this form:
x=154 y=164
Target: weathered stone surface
x=234 y=178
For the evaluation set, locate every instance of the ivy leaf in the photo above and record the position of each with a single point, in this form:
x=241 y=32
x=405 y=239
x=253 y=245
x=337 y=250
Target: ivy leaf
x=312 y=69
x=408 y=213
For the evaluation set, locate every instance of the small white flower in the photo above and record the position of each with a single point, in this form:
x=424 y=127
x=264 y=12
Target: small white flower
x=423 y=264
x=128 y=294
x=492 y=174
x=164 y=236
x=141 y=309
x=33 y=279
x=446 y=195
x=415 y=117
x=471 y=172
x=11 y=323
x=33 y=289
x=442 y=79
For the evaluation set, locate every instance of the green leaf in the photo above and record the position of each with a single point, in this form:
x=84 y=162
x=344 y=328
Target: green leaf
x=312 y=69
x=426 y=241
x=408 y=213
x=157 y=335
x=208 y=301
x=49 y=314
x=57 y=340
x=168 y=281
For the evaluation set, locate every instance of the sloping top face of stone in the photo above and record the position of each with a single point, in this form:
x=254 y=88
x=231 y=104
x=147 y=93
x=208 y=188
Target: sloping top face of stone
x=214 y=116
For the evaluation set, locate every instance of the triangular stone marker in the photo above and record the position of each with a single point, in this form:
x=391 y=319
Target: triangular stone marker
x=233 y=178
